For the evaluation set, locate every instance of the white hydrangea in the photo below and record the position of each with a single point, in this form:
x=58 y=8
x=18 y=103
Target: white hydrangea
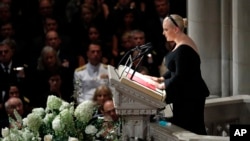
x=27 y=135
x=57 y=125
x=53 y=103
x=72 y=139
x=36 y=139
x=48 y=137
x=65 y=105
x=38 y=111
x=84 y=111
x=48 y=118
x=12 y=137
x=72 y=110
x=66 y=117
x=34 y=122
x=69 y=106
x=68 y=121
x=60 y=120
x=25 y=121
x=5 y=132
x=91 y=129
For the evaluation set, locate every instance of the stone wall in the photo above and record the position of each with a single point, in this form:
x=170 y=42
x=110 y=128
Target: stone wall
x=219 y=114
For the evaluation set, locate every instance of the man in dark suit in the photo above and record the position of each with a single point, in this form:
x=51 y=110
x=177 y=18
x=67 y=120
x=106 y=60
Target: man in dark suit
x=10 y=70
x=63 y=50
x=154 y=28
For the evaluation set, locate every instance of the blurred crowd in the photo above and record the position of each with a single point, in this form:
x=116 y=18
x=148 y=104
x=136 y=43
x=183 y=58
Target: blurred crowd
x=44 y=42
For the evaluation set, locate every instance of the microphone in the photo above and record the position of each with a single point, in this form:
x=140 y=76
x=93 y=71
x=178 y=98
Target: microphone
x=143 y=50
x=147 y=48
x=142 y=47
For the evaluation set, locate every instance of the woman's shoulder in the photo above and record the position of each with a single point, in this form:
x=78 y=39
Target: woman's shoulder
x=186 y=47
x=188 y=43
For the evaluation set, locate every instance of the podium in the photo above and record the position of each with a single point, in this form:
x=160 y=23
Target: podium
x=135 y=104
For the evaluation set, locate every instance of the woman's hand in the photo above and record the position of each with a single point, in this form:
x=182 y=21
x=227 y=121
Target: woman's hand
x=160 y=79
x=158 y=82
x=156 y=79
x=161 y=86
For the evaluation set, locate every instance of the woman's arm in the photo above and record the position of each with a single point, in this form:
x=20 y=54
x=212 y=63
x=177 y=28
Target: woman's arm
x=158 y=82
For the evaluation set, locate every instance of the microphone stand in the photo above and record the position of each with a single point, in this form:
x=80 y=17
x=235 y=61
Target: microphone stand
x=141 y=56
x=128 y=59
x=124 y=56
x=143 y=49
x=140 y=48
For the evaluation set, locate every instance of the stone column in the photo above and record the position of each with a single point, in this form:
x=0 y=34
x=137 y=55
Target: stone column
x=226 y=48
x=241 y=49
x=204 y=28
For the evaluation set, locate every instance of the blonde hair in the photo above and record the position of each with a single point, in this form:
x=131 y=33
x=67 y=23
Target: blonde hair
x=181 y=22
x=101 y=88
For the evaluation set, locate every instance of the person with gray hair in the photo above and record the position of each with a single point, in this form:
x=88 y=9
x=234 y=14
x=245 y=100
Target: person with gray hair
x=48 y=59
x=183 y=82
x=11 y=105
x=11 y=71
x=14 y=103
x=48 y=64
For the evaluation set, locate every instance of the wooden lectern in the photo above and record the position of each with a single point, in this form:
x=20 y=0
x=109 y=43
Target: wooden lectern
x=134 y=102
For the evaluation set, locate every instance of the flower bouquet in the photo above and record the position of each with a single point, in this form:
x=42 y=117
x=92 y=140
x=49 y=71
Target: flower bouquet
x=59 y=121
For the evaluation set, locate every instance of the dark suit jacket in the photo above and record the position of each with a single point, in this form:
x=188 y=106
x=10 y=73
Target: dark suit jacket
x=5 y=80
x=11 y=77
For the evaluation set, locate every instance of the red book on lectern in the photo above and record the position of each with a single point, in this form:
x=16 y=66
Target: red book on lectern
x=139 y=78
x=141 y=83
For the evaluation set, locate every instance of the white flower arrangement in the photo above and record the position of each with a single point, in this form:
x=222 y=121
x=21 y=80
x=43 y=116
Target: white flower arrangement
x=86 y=106
x=53 y=103
x=91 y=129
x=48 y=137
x=60 y=121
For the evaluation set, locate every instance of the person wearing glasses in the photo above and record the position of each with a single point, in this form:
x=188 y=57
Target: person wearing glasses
x=109 y=111
x=183 y=82
x=111 y=122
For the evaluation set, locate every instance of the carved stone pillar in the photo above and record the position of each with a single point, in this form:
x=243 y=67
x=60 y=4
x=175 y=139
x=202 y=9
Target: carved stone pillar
x=241 y=41
x=204 y=27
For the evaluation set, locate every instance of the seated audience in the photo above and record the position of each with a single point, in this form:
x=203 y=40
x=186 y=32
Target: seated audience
x=102 y=94
x=15 y=91
x=111 y=119
x=55 y=88
x=109 y=111
x=88 y=77
x=13 y=103
x=11 y=71
x=49 y=63
x=150 y=58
